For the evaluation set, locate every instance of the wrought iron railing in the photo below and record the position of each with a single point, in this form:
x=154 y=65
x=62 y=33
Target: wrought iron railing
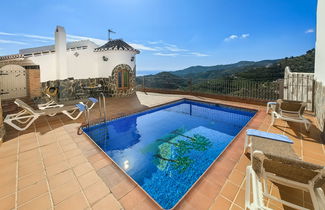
x=261 y=90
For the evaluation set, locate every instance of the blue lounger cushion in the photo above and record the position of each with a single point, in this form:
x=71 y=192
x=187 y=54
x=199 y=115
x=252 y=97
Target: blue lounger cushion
x=94 y=100
x=81 y=107
x=273 y=136
x=271 y=102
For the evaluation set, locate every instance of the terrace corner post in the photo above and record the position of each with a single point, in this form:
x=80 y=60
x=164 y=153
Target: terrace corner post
x=281 y=88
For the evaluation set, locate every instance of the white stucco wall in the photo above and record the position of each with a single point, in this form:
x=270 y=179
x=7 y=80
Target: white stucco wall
x=84 y=65
x=88 y=64
x=115 y=58
x=47 y=66
x=320 y=43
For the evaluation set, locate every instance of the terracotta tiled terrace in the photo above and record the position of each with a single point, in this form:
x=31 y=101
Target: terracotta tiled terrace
x=49 y=166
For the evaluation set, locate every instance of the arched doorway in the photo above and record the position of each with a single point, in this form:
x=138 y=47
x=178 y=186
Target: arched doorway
x=122 y=80
x=12 y=81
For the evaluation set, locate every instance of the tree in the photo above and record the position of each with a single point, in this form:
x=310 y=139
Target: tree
x=181 y=145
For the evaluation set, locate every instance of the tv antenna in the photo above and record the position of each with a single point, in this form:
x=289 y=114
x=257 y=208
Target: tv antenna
x=109 y=34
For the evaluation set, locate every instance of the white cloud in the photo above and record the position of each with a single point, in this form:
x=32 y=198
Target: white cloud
x=163 y=46
x=167 y=54
x=102 y=42
x=174 y=48
x=37 y=37
x=164 y=49
x=142 y=47
x=234 y=36
x=7 y=34
x=199 y=54
x=155 y=42
x=159 y=48
x=41 y=40
x=3 y=41
x=72 y=38
x=309 y=31
x=231 y=37
x=27 y=36
x=245 y=36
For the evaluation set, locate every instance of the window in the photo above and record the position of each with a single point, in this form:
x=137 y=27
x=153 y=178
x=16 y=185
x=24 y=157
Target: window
x=123 y=79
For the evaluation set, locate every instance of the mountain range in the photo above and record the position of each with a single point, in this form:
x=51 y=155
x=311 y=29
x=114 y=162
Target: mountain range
x=265 y=70
x=217 y=71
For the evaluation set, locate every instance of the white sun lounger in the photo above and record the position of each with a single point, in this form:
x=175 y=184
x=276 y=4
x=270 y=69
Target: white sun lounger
x=289 y=172
x=55 y=104
x=251 y=133
x=290 y=111
x=28 y=115
x=270 y=105
x=52 y=103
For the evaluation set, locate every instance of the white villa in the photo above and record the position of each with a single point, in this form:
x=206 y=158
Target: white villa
x=69 y=68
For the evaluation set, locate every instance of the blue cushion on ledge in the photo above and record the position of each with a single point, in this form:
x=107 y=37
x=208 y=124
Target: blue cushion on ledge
x=94 y=100
x=273 y=136
x=81 y=107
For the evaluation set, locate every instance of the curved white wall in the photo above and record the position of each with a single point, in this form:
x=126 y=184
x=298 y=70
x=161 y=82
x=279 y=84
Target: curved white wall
x=115 y=58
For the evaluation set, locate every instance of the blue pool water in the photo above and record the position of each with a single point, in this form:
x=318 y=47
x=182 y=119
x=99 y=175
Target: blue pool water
x=166 y=149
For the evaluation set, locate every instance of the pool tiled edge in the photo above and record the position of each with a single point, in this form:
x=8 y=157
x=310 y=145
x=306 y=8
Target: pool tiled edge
x=170 y=104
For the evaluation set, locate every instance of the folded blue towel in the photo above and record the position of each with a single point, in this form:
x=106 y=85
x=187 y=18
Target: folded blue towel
x=273 y=136
x=94 y=100
x=81 y=107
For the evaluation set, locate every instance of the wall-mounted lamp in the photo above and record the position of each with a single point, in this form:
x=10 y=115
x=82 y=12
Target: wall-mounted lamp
x=132 y=58
x=105 y=58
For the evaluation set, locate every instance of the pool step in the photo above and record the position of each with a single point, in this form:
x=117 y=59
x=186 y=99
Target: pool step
x=206 y=132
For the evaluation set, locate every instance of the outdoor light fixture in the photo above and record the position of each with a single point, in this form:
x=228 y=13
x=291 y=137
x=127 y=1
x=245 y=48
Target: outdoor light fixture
x=105 y=58
x=132 y=58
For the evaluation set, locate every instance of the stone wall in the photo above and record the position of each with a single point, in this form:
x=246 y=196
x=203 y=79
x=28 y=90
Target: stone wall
x=320 y=106
x=2 y=129
x=72 y=89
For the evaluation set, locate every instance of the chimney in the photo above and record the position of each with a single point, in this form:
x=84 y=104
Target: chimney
x=61 y=53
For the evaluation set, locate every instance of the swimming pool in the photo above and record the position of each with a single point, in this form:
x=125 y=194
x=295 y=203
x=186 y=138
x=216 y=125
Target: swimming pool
x=165 y=150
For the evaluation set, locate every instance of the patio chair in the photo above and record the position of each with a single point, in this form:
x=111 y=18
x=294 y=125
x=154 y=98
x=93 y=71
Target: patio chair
x=277 y=162
x=290 y=111
x=270 y=105
x=28 y=115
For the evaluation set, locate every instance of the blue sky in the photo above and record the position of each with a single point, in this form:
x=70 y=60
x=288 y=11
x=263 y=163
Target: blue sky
x=171 y=34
